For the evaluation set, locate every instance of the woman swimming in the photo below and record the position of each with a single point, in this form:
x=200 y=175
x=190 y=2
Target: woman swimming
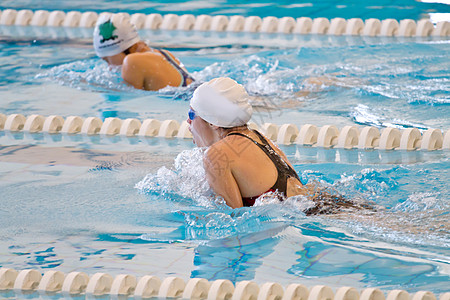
x=117 y=42
x=240 y=163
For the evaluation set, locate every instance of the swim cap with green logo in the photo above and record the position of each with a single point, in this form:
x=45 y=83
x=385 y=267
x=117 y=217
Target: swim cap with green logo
x=114 y=34
x=222 y=102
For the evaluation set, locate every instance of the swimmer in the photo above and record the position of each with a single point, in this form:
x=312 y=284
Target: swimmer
x=117 y=42
x=241 y=164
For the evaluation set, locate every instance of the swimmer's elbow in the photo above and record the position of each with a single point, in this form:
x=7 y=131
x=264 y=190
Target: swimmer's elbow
x=234 y=204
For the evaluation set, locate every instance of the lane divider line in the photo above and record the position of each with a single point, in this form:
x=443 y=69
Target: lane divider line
x=327 y=136
x=236 y=23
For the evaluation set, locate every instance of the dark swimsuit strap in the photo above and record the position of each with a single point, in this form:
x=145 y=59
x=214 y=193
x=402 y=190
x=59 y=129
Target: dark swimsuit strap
x=285 y=171
x=184 y=74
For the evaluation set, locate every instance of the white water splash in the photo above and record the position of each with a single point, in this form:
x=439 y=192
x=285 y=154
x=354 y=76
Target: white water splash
x=186 y=179
x=363 y=114
x=417 y=202
x=87 y=75
x=298 y=203
x=217 y=225
x=259 y=75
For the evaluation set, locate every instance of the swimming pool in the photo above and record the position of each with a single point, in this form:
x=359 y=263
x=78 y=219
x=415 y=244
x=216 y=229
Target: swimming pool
x=86 y=202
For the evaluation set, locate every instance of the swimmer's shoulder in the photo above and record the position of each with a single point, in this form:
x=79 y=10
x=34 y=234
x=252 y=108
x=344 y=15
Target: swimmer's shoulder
x=233 y=145
x=141 y=61
x=220 y=151
x=142 y=56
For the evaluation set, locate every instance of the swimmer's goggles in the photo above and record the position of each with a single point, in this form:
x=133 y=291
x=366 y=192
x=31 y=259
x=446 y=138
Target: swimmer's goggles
x=191 y=114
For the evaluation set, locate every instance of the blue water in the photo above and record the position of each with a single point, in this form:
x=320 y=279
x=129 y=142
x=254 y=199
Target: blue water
x=97 y=210
x=142 y=206
x=369 y=81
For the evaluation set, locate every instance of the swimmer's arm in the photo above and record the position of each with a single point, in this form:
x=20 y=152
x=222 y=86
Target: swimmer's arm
x=221 y=179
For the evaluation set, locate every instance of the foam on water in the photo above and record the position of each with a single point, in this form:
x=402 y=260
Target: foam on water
x=421 y=201
x=364 y=115
x=90 y=75
x=186 y=179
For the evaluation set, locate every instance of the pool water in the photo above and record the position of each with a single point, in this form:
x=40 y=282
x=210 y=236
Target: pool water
x=143 y=208
x=368 y=81
x=141 y=205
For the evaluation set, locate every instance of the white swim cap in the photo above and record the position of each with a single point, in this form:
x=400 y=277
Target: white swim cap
x=222 y=102
x=114 y=34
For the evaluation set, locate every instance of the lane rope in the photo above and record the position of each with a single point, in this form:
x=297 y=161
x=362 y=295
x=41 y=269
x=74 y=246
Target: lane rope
x=101 y=284
x=287 y=25
x=327 y=136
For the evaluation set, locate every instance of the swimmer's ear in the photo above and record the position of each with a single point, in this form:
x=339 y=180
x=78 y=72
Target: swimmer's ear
x=214 y=127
